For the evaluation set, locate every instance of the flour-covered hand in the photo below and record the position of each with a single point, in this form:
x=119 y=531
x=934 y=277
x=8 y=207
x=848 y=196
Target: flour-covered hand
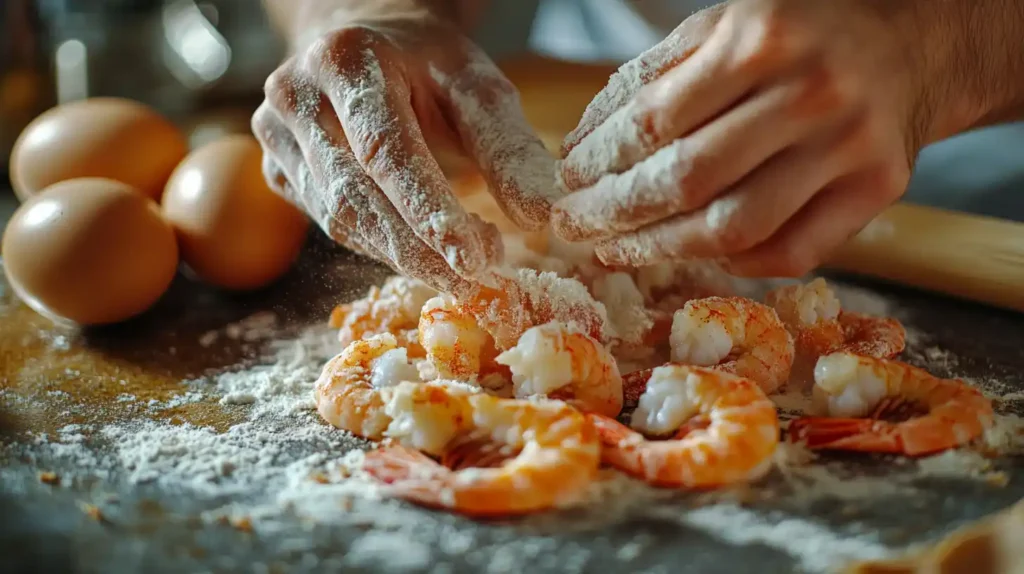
x=762 y=133
x=345 y=129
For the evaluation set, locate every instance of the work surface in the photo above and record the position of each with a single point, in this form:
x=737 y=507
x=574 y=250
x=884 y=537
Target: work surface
x=165 y=463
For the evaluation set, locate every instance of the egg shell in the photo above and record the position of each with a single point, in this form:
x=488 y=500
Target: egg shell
x=110 y=138
x=90 y=251
x=234 y=231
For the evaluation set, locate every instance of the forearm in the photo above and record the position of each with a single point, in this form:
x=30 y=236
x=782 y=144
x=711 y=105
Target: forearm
x=973 y=63
x=299 y=19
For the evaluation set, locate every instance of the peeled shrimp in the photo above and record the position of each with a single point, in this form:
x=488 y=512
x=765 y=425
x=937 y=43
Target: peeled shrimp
x=455 y=344
x=819 y=326
x=513 y=457
x=724 y=430
x=879 y=337
x=811 y=313
x=350 y=391
x=392 y=308
x=734 y=335
x=557 y=360
x=848 y=385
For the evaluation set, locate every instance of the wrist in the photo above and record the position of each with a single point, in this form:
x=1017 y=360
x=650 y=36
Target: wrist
x=970 y=61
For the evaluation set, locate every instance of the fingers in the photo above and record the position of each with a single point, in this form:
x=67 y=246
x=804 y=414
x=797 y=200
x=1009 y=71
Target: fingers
x=284 y=167
x=745 y=216
x=642 y=70
x=372 y=101
x=331 y=177
x=691 y=171
x=519 y=170
x=374 y=216
x=686 y=97
x=822 y=226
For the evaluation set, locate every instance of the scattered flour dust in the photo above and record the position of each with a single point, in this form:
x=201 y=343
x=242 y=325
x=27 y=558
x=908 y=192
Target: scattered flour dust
x=283 y=462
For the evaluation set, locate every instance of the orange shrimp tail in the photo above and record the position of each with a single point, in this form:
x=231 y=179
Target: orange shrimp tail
x=862 y=435
x=392 y=464
x=473 y=453
x=611 y=432
x=617 y=444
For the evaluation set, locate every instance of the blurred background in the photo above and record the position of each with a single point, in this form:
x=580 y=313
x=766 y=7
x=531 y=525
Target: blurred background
x=202 y=64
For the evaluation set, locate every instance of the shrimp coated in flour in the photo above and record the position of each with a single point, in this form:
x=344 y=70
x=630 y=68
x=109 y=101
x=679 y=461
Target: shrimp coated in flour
x=392 y=308
x=556 y=360
x=351 y=393
x=848 y=385
x=511 y=303
x=722 y=429
x=455 y=344
x=735 y=335
x=512 y=457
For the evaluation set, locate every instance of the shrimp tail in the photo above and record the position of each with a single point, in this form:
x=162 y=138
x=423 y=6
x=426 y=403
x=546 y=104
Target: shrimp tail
x=610 y=431
x=397 y=463
x=864 y=435
x=473 y=453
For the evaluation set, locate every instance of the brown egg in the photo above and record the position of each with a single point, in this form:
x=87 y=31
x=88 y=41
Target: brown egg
x=102 y=137
x=234 y=231
x=91 y=251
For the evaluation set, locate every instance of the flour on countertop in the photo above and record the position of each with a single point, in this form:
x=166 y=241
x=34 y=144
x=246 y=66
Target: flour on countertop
x=281 y=462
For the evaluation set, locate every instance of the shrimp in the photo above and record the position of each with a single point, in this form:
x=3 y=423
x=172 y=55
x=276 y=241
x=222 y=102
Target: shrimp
x=392 y=308
x=811 y=313
x=848 y=385
x=819 y=326
x=349 y=393
x=735 y=335
x=557 y=360
x=513 y=303
x=541 y=456
x=455 y=344
x=879 y=337
x=724 y=430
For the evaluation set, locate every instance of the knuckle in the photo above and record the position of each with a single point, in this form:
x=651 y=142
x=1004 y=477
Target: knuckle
x=262 y=125
x=695 y=177
x=766 y=39
x=700 y=24
x=279 y=88
x=338 y=47
x=371 y=149
x=822 y=92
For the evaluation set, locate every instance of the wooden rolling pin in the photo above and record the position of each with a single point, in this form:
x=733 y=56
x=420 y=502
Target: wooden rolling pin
x=967 y=256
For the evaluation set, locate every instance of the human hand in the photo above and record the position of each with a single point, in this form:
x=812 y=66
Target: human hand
x=345 y=127
x=762 y=133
